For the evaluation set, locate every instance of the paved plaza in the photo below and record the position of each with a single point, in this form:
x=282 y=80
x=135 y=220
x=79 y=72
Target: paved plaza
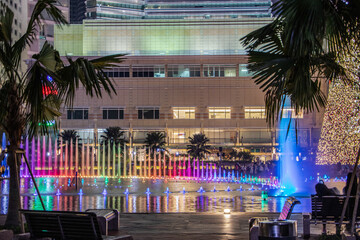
x=197 y=226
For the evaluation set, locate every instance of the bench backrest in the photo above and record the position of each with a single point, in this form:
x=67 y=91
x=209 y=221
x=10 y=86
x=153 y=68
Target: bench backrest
x=328 y=207
x=62 y=225
x=288 y=208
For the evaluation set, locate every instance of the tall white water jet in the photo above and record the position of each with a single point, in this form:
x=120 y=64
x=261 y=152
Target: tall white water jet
x=119 y=160
x=108 y=158
x=38 y=158
x=99 y=161
x=130 y=161
x=50 y=170
x=140 y=161
x=76 y=155
x=43 y=159
x=149 y=168
x=135 y=162
x=82 y=171
x=154 y=165
x=159 y=158
x=66 y=158
x=71 y=157
x=93 y=157
x=164 y=163
x=124 y=170
x=26 y=172
x=55 y=159
x=103 y=161
x=33 y=156
x=114 y=160
x=87 y=163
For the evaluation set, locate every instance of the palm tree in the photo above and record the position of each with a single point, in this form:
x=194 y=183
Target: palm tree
x=198 y=146
x=291 y=56
x=68 y=135
x=241 y=155
x=114 y=136
x=29 y=100
x=155 y=140
x=309 y=40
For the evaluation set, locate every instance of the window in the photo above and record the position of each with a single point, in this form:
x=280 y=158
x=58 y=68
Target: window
x=113 y=113
x=149 y=71
x=255 y=112
x=119 y=72
x=183 y=70
x=78 y=113
x=243 y=71
x=219 y=112
x=184 y=113
x=219 y=71
x=289 y=112
x=148 y=113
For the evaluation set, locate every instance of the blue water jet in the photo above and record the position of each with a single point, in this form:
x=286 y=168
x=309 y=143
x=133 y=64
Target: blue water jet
x=201 y=190
x=148 y=191
x=126 y=191
x=167 y=191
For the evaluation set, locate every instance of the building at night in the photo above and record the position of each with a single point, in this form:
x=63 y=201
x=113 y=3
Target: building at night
x=181 y=77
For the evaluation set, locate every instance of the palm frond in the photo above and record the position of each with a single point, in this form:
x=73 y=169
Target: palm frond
x=41 y=8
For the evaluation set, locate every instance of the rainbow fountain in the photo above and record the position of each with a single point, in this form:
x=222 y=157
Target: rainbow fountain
x=52 y=158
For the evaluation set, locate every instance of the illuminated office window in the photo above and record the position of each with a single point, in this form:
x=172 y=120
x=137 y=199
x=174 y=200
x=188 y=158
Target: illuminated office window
x=255 y=112
x=184 y=113
x=289 y=112
x=243 y=71
x=148 y=71
x=219 y=112
x=183 y=70
x=219 y=71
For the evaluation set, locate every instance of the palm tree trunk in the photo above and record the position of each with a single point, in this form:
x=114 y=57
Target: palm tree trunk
x=12 y=218
x=15 y=126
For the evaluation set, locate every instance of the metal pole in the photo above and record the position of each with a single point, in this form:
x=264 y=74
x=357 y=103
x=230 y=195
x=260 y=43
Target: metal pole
x=33 y=179
x=18 y=187
x=355 y=209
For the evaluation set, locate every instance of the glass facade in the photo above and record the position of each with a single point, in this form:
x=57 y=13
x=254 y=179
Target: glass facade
x=163 y=37
x=113 y=113
x=219 y=70
x=148 y=113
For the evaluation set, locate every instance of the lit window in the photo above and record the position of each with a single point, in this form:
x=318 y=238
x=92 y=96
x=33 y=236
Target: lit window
x=219 y=113
x=148 y=113
x=219 y=71
x=255 y=112
x=183 y=70
x=243 y=71
x=184 y=113
x=149 y=71
x=79 y=113
x=289 y=112
x=113 y=113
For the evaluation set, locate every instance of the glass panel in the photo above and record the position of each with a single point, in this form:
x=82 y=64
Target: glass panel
x=104 y=114
x=140 y=114
x=113 y=114
x=219 y=113
x=148 y=114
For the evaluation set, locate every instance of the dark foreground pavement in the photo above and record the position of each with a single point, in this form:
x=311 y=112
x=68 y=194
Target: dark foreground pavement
x=194 y=226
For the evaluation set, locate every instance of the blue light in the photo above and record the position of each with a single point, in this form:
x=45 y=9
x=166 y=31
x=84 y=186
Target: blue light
x=49 y=78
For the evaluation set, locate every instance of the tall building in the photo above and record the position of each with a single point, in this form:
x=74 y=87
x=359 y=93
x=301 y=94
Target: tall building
x=177 y=9
x=46 y=29
x=19 y=8
x=77 y=10
x=181 y=77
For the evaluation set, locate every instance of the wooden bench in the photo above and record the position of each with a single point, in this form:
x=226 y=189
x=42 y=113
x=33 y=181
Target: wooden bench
x=327 y=210
x=284 y=214
x=65 y=225
x=108 y=219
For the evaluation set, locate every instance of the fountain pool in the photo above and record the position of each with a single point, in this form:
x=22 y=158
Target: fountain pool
x=145 y=196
